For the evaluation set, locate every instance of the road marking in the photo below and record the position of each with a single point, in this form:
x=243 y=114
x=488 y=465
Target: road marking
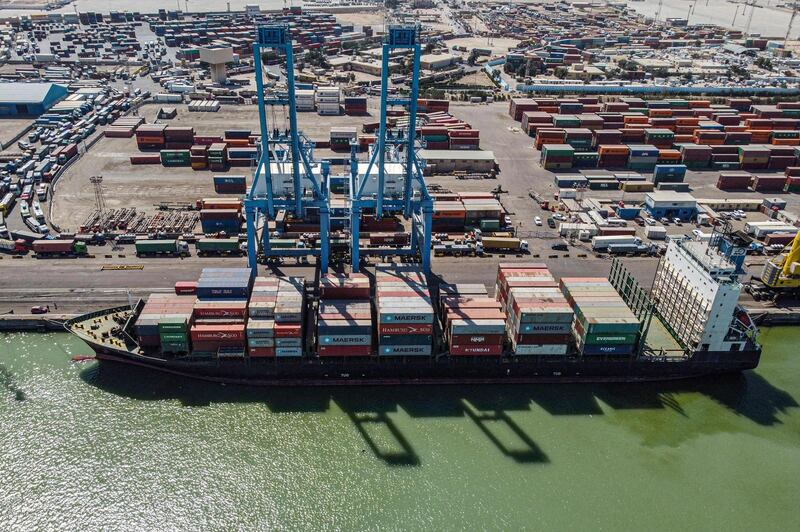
x=122 y=267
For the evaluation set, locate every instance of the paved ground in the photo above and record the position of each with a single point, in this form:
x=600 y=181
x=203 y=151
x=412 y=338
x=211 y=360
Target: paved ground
x=10 y=128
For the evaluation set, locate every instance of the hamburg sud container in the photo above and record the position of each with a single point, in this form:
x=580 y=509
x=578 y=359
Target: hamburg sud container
x=539 y=318
x=604 y=325
x=405 y=311
x=474 y=325
x=275 y=317
x=344 y=319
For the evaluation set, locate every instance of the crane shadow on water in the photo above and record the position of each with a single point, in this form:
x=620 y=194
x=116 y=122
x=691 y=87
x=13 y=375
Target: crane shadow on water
x=489 y=407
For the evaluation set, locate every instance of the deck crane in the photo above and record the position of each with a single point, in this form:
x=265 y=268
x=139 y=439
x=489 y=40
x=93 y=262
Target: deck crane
x=781 y=274
x=286 y=176
x=392 y=181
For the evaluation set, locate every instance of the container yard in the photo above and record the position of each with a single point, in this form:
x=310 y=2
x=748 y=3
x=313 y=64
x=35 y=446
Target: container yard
x=517 y=173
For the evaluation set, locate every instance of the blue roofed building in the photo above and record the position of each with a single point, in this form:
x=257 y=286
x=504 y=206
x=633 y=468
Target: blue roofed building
x=29 y=99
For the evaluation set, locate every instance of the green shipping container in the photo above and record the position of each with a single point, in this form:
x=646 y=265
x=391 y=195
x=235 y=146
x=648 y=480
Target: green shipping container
x=218 y=244
x=172 y=325
x=80 y=248
x=490 y=225
x=610 y=338
x=282 y=243
x=175 y=347
x=155 y=246
x=173 y=338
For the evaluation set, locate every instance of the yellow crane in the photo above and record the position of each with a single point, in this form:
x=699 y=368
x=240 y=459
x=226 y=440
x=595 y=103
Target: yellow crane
x=782 y=272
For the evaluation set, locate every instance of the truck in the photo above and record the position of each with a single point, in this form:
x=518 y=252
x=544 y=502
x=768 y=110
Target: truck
x=38 y=213
x=24 y=209
x=218 y=246
x=15 y=247
x=41 y=191
x=28 y=236
x=161 y=247
x=601 y=243
x=495 y=243
x=34 y=225
x=56 y=248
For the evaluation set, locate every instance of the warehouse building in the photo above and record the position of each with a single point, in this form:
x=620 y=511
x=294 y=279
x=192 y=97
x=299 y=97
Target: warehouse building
x=31 y=99
x=448 y=161
x=670 y=204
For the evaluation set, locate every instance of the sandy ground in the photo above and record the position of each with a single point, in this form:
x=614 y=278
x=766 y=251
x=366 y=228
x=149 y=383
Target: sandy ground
x=10 y=127
x=499 y=45
x=479 y=79
x=373 y=17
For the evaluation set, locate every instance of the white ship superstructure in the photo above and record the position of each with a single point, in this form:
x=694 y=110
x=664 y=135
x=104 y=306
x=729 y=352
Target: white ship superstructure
x=696 y=291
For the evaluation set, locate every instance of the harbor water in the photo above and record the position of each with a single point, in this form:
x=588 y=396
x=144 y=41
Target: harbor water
x=121 y=448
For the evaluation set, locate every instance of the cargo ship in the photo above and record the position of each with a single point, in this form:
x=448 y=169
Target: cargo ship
x=395 y=327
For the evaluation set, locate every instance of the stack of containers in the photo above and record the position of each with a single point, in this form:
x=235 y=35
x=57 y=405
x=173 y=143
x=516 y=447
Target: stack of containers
x=220 y=220
x=178 y=138
x=474 y=325
x=642 y=157
x=242 y=156
x=221 y=310
x=344 y=320
x=604 y=324
x=230 y=184
x=171 y=158
x=754 y=156
x=792 y=179
x=532 y=121
x=150 y=136
x=579 y=138
x=464 y=139
x=405 y=311
x=328 y=100
x=695 y=156
x=355 y=105
x=549 y=136
x=434 y=137
x=539 y=318
x=164 y=322
x=304 y=99
x=217 y=156
x=669 y=173
x=734 y=180
x=199 y=157
x=556 y=156
x=660 y=138
x=613 y=156
x=289 y=314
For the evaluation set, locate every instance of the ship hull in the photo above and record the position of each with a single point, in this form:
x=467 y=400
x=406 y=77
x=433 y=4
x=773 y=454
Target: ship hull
x=446 y=370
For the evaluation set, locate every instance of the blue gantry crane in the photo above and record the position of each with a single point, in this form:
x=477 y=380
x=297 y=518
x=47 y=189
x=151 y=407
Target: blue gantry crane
x=287 y=176
x=397 y=148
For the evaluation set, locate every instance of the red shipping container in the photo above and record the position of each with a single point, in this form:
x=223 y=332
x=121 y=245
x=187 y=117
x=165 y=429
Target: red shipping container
x=261 y=351
x=476 y=350
x=214 y=309
x=287 y=330
x=469 y=339
x=406 y=329
x=216 y=333
x=212 y=346
x=186 y=287
x=344 y=350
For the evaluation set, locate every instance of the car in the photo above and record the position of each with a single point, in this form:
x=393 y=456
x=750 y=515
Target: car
x=537 y=220
x=559 y=247
x=639 y=222
x=677 y=221
x=665 y=220
x=650 y=221
x=551 y=223
x=40 y=309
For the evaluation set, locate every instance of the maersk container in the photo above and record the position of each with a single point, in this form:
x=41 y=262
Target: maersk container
x=405 y=350
x=345 y=339
x=288 y=351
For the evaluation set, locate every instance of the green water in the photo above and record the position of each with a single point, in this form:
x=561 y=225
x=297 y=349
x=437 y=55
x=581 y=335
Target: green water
x=82 y=449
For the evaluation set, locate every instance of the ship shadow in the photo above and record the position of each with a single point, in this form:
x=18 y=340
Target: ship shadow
x=488 y=406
